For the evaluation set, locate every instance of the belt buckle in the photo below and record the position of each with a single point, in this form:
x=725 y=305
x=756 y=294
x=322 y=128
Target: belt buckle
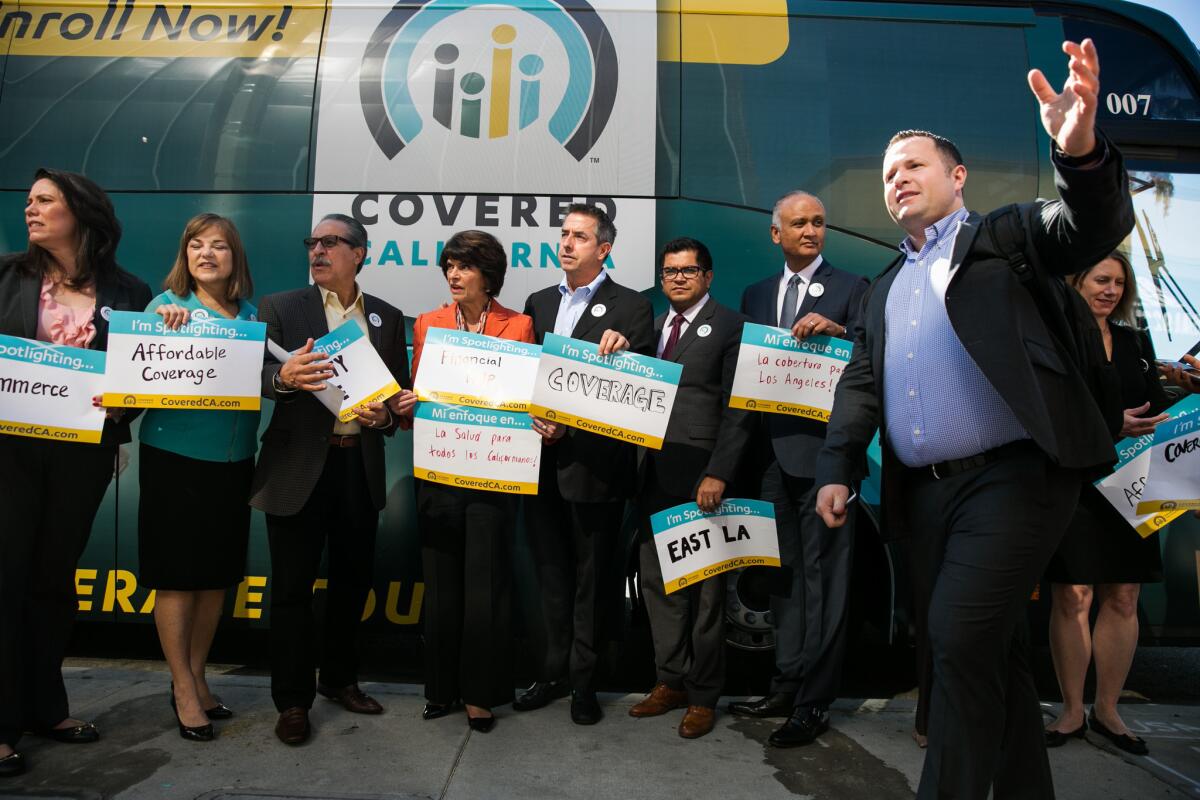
x=933 y=469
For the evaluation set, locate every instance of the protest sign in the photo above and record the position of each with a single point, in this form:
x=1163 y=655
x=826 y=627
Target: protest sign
x=624 y=395
x=1124 y=488
x=209 y=363
x=471 y=369
x=779 y=373
x=358 y=371
x=476 y=448
x=46 y=390
x=693 y=545
x=1174 y=479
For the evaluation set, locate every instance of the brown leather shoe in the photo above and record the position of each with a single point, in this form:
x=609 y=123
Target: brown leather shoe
x=659 y=701
x=293 y=727
x=697 y=721
x=352 y=699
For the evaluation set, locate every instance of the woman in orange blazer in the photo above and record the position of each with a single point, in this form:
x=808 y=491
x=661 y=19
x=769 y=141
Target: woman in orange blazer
x=466 y=534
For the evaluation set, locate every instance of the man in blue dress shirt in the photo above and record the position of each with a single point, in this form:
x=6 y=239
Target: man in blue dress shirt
x=986 y=423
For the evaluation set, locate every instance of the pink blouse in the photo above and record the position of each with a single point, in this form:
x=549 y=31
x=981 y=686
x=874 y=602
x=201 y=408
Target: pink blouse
x=61 y=324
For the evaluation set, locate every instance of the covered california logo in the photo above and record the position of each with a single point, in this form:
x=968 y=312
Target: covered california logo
x=484 y=70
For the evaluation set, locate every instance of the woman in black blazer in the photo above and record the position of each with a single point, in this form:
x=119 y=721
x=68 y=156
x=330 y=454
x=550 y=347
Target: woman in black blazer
x=60 y=290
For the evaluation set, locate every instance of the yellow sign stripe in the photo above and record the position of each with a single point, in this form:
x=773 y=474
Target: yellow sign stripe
x=716 y=569
x=114 y=28
x=591 y=426
x=36 y=430
x=181 y=402
x=374 y=397
x=1157 y=521
x=774 y=406
x=1152 y=506
x=485 y=484
x=470 y=400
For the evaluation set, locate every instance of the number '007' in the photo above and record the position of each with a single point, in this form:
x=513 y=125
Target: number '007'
x=1128 y=104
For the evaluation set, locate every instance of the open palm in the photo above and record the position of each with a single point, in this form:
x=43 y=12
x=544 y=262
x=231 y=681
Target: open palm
x=1070 y=116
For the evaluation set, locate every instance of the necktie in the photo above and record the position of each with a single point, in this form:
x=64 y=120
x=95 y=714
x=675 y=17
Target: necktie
x=787 y=314
x=673 y=339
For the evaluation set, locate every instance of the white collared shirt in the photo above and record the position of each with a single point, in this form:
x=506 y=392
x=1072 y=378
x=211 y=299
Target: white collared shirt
x=572 y=303
x=689 y=316
x=805 y=274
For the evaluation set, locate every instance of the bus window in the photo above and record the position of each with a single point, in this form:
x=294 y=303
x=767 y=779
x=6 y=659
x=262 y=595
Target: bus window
x=1164 y=249
x=820 y=115
x=1141 y=80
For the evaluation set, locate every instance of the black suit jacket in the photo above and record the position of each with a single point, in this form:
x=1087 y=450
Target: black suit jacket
x=588 y=467
x=704 y=435
x=20 y=294
x=296 y=441
x=794 y=441
x=995 y=318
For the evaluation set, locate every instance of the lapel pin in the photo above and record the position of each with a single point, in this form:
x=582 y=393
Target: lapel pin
x=599 y=310
x=375 y=319
x=703 y=331
x=106 y=312
x=816 y=289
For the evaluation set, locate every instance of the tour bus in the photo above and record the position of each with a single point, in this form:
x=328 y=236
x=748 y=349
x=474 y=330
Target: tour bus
x=680 y=117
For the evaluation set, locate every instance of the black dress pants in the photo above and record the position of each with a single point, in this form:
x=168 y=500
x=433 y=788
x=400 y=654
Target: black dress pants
x=810 y=615
x=339 y=513
x=686 y=626
x=994 y=529
x=466 y=555
x=49 y=494
x=574 y=547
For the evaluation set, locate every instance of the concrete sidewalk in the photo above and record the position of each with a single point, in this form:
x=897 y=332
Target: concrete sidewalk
x=541 y=754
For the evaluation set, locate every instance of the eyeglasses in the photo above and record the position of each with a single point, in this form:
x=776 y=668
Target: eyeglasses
x=671 y=273
x=329 y=241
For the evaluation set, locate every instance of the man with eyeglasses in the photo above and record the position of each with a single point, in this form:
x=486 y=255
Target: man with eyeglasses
x=321 y=481
x=809 y=604
x=700 y=456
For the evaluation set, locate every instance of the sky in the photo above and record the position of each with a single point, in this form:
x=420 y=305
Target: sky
x=1185 y=12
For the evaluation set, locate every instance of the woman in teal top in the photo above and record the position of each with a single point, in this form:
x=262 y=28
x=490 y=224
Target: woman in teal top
x=194 y=476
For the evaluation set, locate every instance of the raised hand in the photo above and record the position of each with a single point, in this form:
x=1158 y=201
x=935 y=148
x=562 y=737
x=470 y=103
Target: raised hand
x=1070 y=116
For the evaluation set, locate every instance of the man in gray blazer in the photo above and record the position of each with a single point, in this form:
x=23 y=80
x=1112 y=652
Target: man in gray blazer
x=699 y=458
x=320 y=480
x=810 y=297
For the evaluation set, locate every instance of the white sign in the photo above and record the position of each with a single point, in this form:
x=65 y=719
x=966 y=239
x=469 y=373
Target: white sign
x=46 y=391
x=407 y=232
x=206 y=364
x=470 y=369
x=1174 y=479
x=546 y=97
x=779 y=373
x=624 y=395
x=1125 y=487
x=693 y=545
x=476 y=448
x=358 y=371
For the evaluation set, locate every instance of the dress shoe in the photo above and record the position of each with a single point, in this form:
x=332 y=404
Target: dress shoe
x=660 y=701
x=697 y=721
x=219 y=711
x=585 y=708
x=1059 y=738
x=293 y=727
x=776 y=704
x=481 y=724
x=802 y=727
x=438 y=710
x=1134 y=745
x=78 y=734
x=12 y=765
x=195 y=733
x=352 y=699
x=541 y=694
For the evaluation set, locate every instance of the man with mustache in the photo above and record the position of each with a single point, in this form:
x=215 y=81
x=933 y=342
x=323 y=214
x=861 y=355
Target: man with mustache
x=809 y=297
x=986 y=424
x=321 y=481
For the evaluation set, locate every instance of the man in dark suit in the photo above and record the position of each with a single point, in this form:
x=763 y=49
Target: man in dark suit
x=574 y=520
x=700 y=456
x=810 y=297
x=320 y=480
x=986 y=422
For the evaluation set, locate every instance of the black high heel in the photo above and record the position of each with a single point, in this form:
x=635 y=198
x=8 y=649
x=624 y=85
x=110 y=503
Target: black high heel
x=219 y=711
x=198 y=733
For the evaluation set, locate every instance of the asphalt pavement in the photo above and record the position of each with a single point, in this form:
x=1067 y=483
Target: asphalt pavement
x=868 y=753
